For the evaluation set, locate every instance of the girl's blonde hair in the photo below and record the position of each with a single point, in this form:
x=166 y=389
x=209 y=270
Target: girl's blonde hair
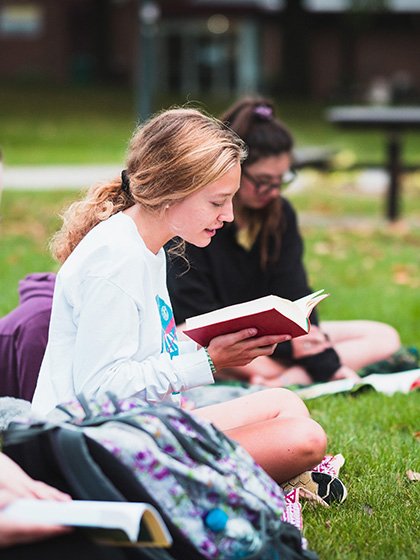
x=174 y=154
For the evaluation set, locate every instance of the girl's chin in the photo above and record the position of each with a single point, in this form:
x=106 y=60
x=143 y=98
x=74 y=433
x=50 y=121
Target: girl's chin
x=258 y=204
x=263 y=203
x=200 y=244
x=202 y=240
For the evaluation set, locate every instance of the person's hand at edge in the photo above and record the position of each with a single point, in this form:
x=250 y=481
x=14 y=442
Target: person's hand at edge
x=309 y=344
x=15 y=484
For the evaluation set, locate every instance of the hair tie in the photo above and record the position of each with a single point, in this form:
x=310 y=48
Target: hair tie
x=265 y=112
x=125 y=181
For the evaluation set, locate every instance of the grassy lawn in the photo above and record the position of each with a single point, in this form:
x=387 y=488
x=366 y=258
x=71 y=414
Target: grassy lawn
x=372 y=271
x=376 y=435
x=92 y=125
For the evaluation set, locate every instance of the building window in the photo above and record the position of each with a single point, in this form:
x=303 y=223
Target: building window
x=24 y=20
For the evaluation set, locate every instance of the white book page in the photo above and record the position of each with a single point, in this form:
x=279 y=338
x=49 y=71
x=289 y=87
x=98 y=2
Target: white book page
x=265 y=303
x=125 y=516
x=307 y=303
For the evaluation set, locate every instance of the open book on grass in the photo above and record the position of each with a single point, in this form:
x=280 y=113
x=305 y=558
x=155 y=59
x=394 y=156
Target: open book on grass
x=387 y=383
x=114 y=523
x=269 y=314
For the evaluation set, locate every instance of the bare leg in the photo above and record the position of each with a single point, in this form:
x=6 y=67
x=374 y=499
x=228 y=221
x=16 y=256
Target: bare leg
x=274 y=427
x=295 y=375
x=360 y=343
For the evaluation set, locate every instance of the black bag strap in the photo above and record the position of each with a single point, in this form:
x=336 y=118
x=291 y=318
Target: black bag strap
x=20 y=433
x=69 y=446
x=83 y=474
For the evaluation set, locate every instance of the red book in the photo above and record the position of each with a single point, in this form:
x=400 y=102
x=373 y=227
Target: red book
x=269 y=314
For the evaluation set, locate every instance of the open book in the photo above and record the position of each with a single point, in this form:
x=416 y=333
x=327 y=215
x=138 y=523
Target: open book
x=114 y=523
x=387 y=383
x=269 y=314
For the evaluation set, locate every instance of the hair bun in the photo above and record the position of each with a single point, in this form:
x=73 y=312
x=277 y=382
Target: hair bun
x=264 y=112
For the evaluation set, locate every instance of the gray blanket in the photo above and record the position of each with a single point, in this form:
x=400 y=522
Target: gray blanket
x=11 y=408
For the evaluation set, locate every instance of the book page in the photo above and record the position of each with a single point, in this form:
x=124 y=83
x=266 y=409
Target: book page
x=113 y=516
x=307 y=303
x=284 y=306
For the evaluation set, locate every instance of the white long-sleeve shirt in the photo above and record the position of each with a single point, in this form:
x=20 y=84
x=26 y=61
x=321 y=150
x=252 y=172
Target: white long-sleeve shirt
x=112 y=326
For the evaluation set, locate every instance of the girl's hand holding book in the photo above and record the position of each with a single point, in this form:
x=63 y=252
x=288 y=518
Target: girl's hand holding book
x=240 y=348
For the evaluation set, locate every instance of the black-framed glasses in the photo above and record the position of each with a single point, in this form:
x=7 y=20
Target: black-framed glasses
x=264 y=186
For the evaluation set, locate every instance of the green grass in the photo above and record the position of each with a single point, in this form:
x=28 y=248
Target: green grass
x=379 y=519
x=59 y=126
x=371 y=269
x=46 y=125
x=28 y=220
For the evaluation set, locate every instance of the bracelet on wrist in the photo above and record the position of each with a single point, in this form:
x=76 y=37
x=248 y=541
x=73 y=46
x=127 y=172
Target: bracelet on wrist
x=210 y=361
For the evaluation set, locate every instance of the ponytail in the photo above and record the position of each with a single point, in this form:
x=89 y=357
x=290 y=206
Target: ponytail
x=101 y=202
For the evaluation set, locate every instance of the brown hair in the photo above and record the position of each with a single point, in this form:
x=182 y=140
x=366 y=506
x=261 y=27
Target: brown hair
x=172 y=155
x=254 y=120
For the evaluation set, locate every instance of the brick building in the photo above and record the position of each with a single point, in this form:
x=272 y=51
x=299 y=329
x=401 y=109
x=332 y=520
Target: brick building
x=321 y=48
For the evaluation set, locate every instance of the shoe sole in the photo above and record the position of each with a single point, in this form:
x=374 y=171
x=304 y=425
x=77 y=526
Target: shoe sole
x=330 y=488
x=321 y=485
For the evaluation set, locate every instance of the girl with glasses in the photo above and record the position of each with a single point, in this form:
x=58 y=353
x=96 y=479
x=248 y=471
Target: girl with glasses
x=261 y=253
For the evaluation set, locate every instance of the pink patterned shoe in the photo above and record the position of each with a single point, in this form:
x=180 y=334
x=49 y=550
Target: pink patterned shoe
x=321 y=484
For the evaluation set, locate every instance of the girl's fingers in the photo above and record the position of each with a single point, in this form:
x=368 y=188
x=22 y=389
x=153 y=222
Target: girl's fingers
x=45 y=492
x=234 y=338
x=6 y=497
x=269 y=340
x=12 y=532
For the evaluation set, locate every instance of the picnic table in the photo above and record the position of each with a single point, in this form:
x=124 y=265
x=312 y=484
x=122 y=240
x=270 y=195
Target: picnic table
x=393 y=121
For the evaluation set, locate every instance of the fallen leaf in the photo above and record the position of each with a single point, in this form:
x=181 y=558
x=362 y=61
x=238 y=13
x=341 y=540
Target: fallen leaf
x=368 y=509
x=413 y=476
x=404 y=275
x=322 y=248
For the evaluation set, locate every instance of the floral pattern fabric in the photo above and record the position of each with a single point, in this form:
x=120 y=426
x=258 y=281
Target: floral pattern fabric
x=189 y=467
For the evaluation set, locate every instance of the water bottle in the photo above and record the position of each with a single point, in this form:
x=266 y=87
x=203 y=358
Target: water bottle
x=239 y=538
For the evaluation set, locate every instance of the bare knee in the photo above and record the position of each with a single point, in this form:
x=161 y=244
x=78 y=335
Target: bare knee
x=390 y=339
x=284 y=402
x=311 y=441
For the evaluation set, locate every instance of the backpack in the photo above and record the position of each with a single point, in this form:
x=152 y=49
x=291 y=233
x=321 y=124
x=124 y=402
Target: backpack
x=216 y=501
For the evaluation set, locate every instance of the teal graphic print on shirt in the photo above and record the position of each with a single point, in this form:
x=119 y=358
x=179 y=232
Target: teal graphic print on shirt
x=169 y=336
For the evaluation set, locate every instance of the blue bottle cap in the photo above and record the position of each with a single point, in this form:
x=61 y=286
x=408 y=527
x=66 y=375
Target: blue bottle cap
x=216 y=520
